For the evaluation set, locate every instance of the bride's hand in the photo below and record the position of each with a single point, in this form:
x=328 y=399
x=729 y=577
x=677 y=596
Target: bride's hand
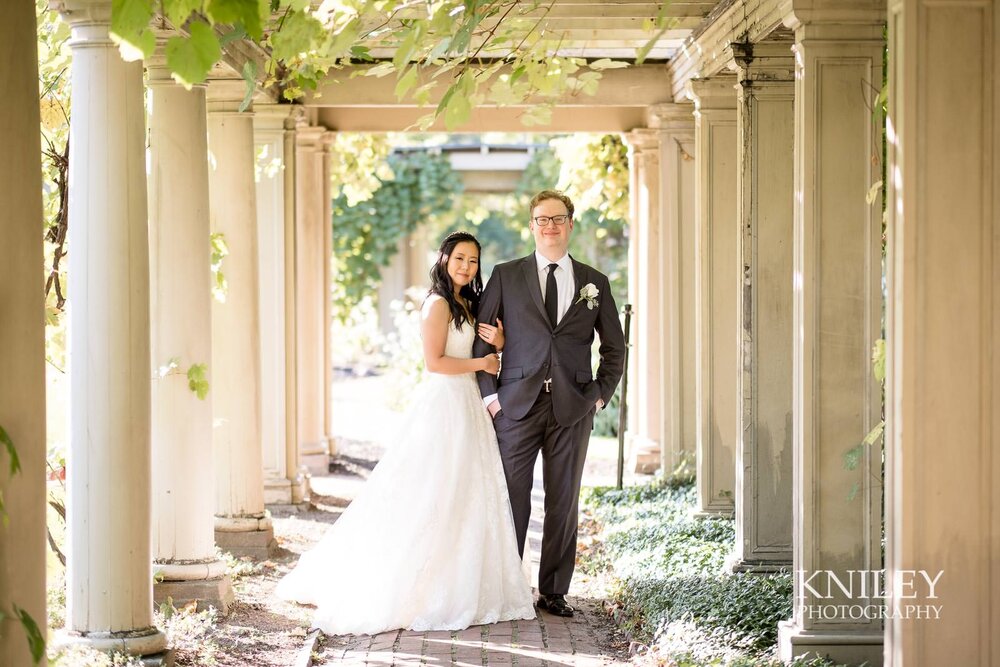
x=491 y=364
x=493 y=335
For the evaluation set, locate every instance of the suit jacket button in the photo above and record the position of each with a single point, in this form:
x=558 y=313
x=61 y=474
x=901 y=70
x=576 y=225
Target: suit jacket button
x=553 y=335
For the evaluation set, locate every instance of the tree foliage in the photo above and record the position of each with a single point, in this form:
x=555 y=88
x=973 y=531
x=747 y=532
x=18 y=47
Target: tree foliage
x=457 y=53
x=366 y=236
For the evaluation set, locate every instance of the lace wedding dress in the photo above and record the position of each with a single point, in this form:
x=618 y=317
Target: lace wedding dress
x=429 y=542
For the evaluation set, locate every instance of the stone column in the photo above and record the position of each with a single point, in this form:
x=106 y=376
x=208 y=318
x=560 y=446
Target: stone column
x=283 y=484
x=634 y=292
x=766 y=139
x=675 y=129
x=22 y=337
x=312 y=296
x=242 y=525
x=181 y=331
x=327 y=230
x=109 y=587
x=716 y=285
x=647 y=323
x=291 y=312
x=836 y=315
x=943 y=394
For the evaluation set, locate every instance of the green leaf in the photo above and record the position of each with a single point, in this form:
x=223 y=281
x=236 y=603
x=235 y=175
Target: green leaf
x=873 y=192
x=406 y=82
x=238 y=32
x=853 y=493
x=361 y=53
x=250 y=76
x=607 y=63
x=875 y=433
x=192 y=57
x=297 y=35
x=130 y=28
x=878 y=360
x=178 y=11
x=852 y=457
x=36 y=640
x=245 y=12
x=15 y=461
x=197 y=380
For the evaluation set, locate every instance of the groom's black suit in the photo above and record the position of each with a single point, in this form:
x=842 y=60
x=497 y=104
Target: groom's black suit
x=557 y=423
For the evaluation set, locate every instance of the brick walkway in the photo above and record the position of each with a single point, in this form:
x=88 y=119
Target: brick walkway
x=546 y=640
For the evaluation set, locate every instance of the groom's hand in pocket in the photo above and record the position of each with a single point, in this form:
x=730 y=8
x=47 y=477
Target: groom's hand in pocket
x=493 y=408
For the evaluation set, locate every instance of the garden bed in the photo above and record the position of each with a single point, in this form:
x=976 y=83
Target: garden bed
x=669 y=589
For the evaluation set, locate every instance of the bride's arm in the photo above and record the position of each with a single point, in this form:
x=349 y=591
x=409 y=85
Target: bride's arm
x=434 y=332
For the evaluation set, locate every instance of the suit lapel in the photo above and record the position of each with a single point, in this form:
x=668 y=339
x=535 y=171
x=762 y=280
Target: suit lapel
x=529 y=269
x=580 y=277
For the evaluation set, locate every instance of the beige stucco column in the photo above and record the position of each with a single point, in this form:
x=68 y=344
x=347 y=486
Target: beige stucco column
x=242 y=525
x=312 y=271
x=674 y=126
x=716 y=286
x=836 y=315
x=646 y=323
x=327 y=229
x=181 y=338
x=635 y=289
x=109 y=587
x=766 y=134
x=943 y=393
x=22 y=339
x=283 y=483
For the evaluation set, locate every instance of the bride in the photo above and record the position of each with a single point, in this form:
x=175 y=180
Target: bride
x=429 y=543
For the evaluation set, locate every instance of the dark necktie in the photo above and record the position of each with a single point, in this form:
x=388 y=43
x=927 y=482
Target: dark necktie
x=552 y=295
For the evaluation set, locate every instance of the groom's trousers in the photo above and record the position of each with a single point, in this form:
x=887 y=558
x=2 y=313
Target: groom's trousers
x=564 y=450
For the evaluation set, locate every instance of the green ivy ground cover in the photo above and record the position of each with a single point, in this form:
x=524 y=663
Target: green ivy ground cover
x=669 y=587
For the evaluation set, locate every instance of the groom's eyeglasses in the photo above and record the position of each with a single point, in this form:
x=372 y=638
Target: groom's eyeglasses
x=544 y=220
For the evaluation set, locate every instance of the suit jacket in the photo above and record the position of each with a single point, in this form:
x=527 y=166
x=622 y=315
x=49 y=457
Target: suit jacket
x=534 y=350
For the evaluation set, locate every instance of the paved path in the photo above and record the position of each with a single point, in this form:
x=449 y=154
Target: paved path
x=546 y=640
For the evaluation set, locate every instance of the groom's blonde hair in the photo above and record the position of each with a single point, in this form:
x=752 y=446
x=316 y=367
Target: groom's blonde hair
x=551 y=194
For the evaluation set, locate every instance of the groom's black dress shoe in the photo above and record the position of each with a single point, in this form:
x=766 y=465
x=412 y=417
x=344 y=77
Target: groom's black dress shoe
x=555 y=604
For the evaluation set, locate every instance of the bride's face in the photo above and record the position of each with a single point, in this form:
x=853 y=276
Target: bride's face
x=463 y=264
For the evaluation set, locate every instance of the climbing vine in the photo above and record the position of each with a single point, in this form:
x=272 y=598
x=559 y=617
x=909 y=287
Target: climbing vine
x=365 y=236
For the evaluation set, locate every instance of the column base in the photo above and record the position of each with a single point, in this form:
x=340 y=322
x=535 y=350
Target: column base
x=217 y=592
x=256 y=544
x=861 y=648
x=735 y=563
x=713 y=511
x=646 y=457
x=315 y=457
x=144 y=642
x=284 y=491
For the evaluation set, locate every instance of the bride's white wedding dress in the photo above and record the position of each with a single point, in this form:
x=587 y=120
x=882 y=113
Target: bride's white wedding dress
x=429 y=542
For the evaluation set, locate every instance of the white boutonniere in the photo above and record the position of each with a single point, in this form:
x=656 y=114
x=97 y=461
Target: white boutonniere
x=589 y=294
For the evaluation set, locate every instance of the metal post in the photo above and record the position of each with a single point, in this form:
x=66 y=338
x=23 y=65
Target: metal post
x=622 y=404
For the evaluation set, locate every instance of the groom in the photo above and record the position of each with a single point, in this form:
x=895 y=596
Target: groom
x=546 y=395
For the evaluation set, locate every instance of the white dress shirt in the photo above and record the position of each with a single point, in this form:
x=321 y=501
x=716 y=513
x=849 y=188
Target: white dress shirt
x=564 y=281
x=565 y=284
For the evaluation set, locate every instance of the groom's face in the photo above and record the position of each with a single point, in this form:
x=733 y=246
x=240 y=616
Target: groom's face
x=552 y=240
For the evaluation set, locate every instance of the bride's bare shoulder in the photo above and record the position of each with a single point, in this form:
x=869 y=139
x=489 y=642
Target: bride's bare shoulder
x=435 y=307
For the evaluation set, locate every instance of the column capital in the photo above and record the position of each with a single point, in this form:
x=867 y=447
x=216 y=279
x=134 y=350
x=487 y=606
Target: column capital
x=313 y=138
x=717 y=92
x=670 y=116
x=643 y=140
x=226 y=96
x=765 y=62
x=834 y=20
x=83 y=11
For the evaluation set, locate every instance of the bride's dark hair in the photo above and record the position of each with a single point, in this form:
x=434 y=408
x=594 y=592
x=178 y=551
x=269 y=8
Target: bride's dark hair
x=442 y=285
